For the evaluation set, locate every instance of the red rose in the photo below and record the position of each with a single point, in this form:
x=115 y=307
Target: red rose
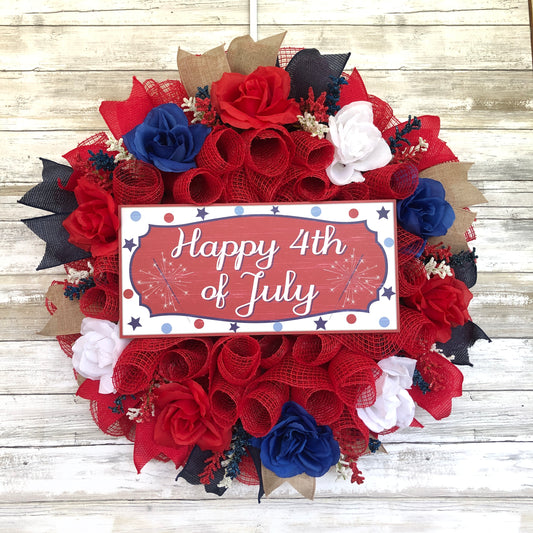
x=444 y=301
x=185 y=418
x=254 y=101
x=94 y=225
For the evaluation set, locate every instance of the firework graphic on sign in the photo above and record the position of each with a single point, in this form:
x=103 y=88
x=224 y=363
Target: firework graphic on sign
x=166 y=280
x=356 y=280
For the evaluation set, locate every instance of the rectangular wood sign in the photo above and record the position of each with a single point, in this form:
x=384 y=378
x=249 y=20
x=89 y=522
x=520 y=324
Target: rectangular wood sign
x=258 y=269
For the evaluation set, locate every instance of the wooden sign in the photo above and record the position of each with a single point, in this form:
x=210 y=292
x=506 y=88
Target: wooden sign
x=258 y=269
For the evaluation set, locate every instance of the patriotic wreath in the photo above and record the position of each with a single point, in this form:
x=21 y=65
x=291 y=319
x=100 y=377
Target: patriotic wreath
x=254 y=124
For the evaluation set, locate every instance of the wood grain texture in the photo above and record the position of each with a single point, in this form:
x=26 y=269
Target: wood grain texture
x=469 y=63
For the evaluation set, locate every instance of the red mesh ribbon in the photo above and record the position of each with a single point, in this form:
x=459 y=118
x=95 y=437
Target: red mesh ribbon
x=268 y=150
x=274 y=348
x=78 y=158
x=311 y=186
x=312 y=152
x=66 y=342
x=351 y=434
x=146 y=448
x=411 y=276
x=109 y=410
x=261 y=405
x=239 y=188
x=225 y=399
x=315 y=350
x=354 y=377
x=238 y=359
x=187 y=359
x=136 y=182
x=267 y=188
x=324 y=405
x=197 y=186
x=409 y=245
x=136 y=364
x=100 y=302
x=392 y=181
x=384 y=117
x=353 y=192
x=445 y=382
x=248 y=471
x=354 y=91
x=165 y=92
x=222 y=151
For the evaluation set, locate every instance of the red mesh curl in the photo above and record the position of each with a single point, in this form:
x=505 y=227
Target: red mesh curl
x=222 y=151
x=100 y=302
x=313 y=186
x=324 y=405
x=106 y=272
x=268 y=150
x=352 y=191
x=197 y=186
x=274 y=348
x=351 y=434
x=136 y=182
x=354 y=377
x=418 y=333
x=411 y=276
x=225 y=400
x=409 y=245
x=187 y=359
x=392 y=181
x=312 y=152
x=267 y=187
x=238 y=359
x=261 y=405
x=470 y=234
x=315 y=349
x=136 y=365
x=238 y=188
x=375 y=345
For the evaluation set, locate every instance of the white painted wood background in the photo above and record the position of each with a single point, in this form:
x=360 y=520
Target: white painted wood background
x=467 y=61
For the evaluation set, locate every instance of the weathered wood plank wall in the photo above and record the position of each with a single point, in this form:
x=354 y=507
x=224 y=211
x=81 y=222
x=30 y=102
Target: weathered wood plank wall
x=468 y=62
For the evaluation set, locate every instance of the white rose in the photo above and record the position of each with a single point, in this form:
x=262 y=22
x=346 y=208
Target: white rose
x=359 y=145
x=96 y=352
x=394 y=406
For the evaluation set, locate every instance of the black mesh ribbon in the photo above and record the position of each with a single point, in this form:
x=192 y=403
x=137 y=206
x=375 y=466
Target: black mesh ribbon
x=463 y=338
x=49 y=196
x=464 y=266
x=309 y=68
x=196 y=465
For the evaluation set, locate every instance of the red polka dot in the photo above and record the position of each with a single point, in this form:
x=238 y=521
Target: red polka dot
x=353 y=213
x=128 y=293
x=199 y=324
x=169 y=217
x=351 y=319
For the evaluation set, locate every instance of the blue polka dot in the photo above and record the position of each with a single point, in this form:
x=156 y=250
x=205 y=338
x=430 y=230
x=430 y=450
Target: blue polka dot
x=389 y=242
x=239 y=210
x=135 y=216
x=384 y=321
x=316 y=211
x=278 y=326
x=166 y=328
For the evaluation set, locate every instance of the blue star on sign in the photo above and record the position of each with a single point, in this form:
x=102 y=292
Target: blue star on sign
x=129 y=244
x=383 y=213
x=387 y=293
x=275 y=210
x=233 y=327
x=320 y=323
x=202 y=213
x=135 y=323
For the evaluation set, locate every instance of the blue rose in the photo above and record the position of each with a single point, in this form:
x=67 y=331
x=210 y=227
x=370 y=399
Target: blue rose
x=296 y=445
x=165 y=139
x=426 y=213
